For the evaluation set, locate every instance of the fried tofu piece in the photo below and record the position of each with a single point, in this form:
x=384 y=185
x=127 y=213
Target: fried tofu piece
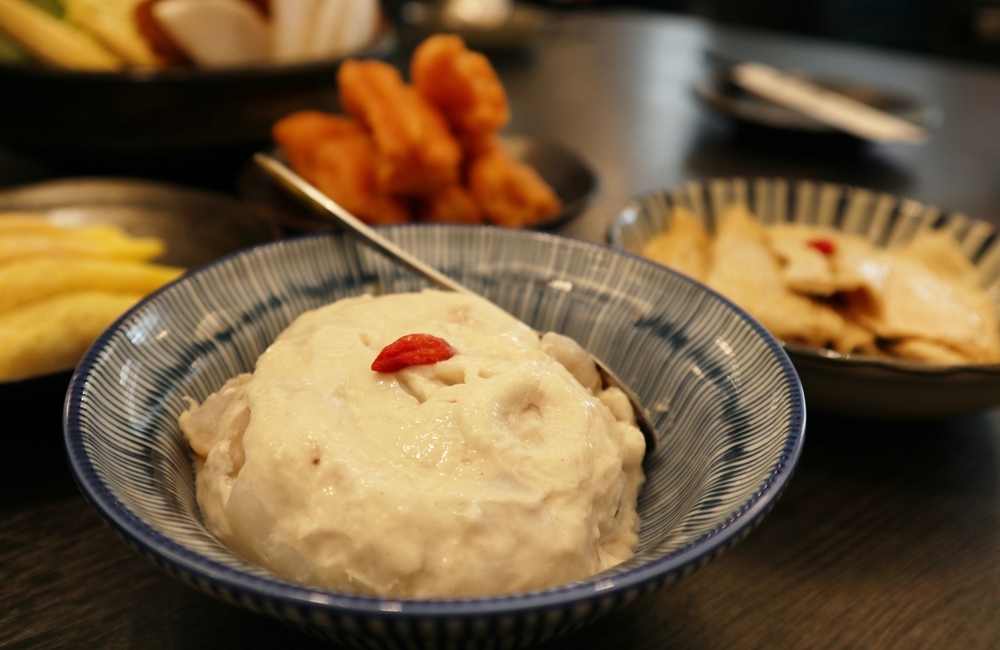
x=747 y=272
x=930 y=294
x=462 y=84
x=416 y=152
x=511 y=193
x=685 y=246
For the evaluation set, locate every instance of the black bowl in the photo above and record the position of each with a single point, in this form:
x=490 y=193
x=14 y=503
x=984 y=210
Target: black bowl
x=146 y=114
x=571 y=177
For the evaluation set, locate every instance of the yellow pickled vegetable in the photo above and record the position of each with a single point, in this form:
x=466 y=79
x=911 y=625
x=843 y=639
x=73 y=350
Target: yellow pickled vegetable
x=61 y=286
x=36 y=278
x=99 y=240
x=53 y=334
x=54 y=41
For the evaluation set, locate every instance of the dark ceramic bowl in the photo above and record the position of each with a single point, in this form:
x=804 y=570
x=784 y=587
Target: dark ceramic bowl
x=142 y=114
x=572 y=179
x=718 y=93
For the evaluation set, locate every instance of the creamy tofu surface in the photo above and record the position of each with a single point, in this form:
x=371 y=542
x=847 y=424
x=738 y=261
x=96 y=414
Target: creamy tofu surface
x=495 y=471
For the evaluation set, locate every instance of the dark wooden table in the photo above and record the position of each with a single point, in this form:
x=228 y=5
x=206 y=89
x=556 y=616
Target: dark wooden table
x=889 y=534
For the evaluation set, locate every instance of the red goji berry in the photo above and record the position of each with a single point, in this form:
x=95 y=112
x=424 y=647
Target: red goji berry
x=412 y=350
x=824 y=246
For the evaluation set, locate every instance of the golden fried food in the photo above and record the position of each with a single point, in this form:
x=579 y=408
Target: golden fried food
x=416 y=152
x=52 y=335
x=337 y=155
x=688 y=249
x=299 y=134
x=426 y=151
x=462 y=84
x=346 y=172
x=453 y=204
x=510 y=192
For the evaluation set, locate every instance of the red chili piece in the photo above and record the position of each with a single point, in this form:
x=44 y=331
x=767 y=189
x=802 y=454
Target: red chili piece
x=412 y=350
x=824 y=246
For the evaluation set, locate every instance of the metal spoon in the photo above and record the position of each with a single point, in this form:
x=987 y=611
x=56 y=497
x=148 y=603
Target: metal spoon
x=308 y=193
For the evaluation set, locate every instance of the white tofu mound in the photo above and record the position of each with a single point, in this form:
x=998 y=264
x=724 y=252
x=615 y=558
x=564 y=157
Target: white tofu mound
x=493 y=472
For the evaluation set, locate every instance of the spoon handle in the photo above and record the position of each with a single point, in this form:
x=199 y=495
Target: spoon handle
x=292 y=181
x=298 y=185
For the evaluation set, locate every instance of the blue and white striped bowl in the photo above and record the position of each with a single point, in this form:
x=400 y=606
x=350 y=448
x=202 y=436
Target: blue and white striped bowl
x=854 y=385
x=726 y=402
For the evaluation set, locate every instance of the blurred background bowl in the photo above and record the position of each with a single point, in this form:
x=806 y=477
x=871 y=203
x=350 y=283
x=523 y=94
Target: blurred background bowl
x=196 y=226
x=718 y=92
x=853 y=385
x=570 y=177
x=157 y=118
x=725 y=400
